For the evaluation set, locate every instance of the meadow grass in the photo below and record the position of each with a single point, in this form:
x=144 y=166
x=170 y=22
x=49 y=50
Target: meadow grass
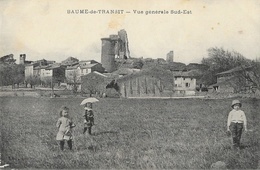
x=129 y=134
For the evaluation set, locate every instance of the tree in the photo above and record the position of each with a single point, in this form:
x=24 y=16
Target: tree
x=251 y=74
x=2 y=77
x=11 y=74
x=48 y=81
x=33 y=80
x=74 y=80
x=19 y=74
x=220 y=60
x=138 y=64
x=6 y=75
x=93 y=83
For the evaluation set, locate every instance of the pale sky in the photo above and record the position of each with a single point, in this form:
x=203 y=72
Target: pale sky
x=44 y=29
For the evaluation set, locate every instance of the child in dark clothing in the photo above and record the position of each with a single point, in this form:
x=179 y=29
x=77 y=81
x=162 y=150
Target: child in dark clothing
x=88 y=118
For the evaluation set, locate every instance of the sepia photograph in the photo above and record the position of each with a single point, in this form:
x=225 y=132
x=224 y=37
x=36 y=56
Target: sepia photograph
x=130 y=84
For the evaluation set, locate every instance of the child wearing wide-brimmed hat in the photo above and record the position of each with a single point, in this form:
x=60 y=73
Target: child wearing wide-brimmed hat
x=65 y=126
x=88 y=118
x=235 y=123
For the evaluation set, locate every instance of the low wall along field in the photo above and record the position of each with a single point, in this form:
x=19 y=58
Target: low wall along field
x=129 y=133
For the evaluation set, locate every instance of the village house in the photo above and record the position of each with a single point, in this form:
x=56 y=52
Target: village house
x=38 y=71
x=73 y=73
x=30 y=70
x=184 y=82
x=34 y=69
x=56 y=72
x=232 y=81
x=70 y=61
x=150 y=82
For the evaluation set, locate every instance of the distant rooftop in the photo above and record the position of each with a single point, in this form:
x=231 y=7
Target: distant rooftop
x=84 y=65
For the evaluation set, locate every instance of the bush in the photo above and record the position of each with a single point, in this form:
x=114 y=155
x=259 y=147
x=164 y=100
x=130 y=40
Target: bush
x=112 y=93
x=204 y=89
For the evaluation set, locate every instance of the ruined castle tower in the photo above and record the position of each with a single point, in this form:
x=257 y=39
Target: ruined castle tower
x=124 y=51
x=22 y=58
x=108 y=54
x=116 y=46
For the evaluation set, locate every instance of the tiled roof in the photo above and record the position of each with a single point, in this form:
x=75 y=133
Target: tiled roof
x=47 y=67
x=99 y=73
x=125 y=71
x=41 y=67
x=88 y=61
x=236 y=69
x=81 y=66
x=191 y=73
x=226 y=82
x=53 y=66
x=156 y=72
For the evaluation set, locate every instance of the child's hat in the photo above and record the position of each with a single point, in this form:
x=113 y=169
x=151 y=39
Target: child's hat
x=234 y=102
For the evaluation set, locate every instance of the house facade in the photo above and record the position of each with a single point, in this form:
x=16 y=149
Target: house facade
x=81 y=69
x=184 y=83
x=45 y=73
x=28 y=70
x=35 y=68
x=55 y=72
x=232 y=81
x=73 y=73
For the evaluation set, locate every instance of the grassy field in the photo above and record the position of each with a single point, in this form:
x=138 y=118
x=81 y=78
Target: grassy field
x=129 y=133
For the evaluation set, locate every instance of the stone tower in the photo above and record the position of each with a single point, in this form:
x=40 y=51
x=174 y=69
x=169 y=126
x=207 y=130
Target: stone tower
x=123 y=49
x=108 y=54
x=116 y=46
x=169 y=57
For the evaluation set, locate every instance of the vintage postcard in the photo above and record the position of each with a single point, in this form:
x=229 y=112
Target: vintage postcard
x=132 y=84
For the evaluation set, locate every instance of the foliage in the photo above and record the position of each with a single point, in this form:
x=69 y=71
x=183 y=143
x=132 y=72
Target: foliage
x=74 y=80
x=173 y=66
x=8 y=59
x=19 y=74
x=48 y=81
x=251 y=74
x=220 y=60
x=112 y=93
x=196 y=66
x=113 y=85
x=129 y=134
x=254 y=77
x=93 y=83
x=33 y=80
x=59 y=75
x=11 y=74
x=138 y=64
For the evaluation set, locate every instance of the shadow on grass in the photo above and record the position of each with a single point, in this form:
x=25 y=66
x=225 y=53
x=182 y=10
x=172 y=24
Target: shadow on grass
x=104 y=132
x=240 y=148
x=93 y=148
x=244 y=146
